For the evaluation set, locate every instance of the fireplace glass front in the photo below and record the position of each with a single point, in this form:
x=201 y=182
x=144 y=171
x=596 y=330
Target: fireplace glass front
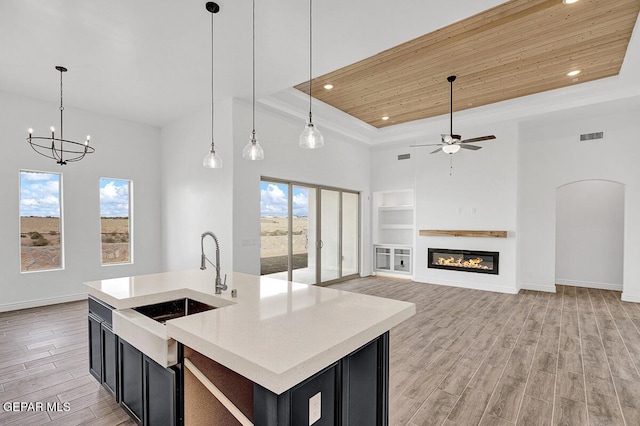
x=483 y=262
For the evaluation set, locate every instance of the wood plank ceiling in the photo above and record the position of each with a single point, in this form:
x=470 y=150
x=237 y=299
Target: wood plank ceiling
x=515 y=49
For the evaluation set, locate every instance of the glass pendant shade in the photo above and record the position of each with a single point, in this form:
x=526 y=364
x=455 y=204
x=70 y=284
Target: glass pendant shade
x=253 y=150
x=311 y=137
x=451 y=149
x=212 y=160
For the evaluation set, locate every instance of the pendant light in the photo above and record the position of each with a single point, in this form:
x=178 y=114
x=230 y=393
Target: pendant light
x=253 y=150
x=311 y=138
x=212 y=160
x=60 y=149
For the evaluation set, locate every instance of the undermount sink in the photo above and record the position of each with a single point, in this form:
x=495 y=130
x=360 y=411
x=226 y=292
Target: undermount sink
x=165 y=311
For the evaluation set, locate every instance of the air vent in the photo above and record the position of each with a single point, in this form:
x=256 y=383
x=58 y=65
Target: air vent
x=404 y=156
x=591 y=136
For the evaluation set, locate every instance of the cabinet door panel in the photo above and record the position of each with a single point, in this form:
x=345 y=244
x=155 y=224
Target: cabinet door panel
x=109 y=359
x=131 y=391
x=95 y=347
x=160 y=390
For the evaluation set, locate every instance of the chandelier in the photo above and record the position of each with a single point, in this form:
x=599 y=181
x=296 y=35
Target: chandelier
x=58 y=148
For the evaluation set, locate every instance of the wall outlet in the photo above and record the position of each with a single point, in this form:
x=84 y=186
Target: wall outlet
x=315 y=408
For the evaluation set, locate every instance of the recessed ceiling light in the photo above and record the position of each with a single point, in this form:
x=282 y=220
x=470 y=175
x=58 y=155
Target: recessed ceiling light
x=573 y=73
x=328 y=86
x=569 y=1
x=385 y=117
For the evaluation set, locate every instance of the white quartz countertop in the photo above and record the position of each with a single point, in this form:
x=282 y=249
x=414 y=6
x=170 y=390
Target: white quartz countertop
x=276 y=333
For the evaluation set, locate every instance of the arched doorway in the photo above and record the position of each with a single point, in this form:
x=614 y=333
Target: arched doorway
x=590 y=234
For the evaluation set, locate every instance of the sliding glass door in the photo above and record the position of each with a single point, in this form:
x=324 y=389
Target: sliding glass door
x=303 y=235
x=330 y=235
x=309 y=233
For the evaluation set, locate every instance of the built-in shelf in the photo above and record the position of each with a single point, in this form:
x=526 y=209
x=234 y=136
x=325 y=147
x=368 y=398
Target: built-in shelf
x=461 y=233
x=396 y=226
x=396 y=208
x=393 y=217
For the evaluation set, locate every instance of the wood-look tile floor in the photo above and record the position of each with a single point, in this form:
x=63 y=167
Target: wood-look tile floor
x=470 y=357
x=467 y=357
x=44 y=358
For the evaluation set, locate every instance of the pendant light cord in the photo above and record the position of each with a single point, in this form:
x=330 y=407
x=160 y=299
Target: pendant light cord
x=310 y=54
x=253 y=47
x=212 y=52
x=61 y=107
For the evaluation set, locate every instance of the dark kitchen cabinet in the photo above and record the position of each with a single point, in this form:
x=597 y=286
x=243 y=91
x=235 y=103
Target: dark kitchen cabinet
x=131 y=384
x=109 y=359
x=149 y=392
x=161 y=394
x=354 y=391
x=95 y=346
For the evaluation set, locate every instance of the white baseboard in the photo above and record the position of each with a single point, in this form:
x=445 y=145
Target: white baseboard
x=626 y=297
x=539 y=287
x=42 y=302
x=469 y=285
x=393 y=275
x=589 y=284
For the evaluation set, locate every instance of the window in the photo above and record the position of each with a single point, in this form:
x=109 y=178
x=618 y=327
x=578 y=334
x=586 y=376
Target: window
x=40 y=221
x=115 y=220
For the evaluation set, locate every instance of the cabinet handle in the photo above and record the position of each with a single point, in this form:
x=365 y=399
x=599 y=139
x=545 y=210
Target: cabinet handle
x=235 y=411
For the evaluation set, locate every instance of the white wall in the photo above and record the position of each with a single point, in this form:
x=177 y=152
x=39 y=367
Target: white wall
x=196 y=199
x=480 y=194
x=590 y=234
x=123 y=150
x=340 y=163
x=550 y=156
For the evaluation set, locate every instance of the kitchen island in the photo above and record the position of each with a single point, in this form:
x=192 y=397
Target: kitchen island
x=277 y=353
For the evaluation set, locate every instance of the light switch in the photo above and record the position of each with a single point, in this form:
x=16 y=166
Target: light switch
x=315 y=408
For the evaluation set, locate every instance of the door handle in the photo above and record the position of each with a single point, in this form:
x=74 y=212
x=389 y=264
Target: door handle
x=319 y=244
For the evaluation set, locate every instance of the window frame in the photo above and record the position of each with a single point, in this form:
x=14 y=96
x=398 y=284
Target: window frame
x=130 y=221
x=61 y=218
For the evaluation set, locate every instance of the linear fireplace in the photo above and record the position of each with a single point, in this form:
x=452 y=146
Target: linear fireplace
x=483 y=262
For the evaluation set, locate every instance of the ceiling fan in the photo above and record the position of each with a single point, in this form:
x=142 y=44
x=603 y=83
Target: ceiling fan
x=452 y=143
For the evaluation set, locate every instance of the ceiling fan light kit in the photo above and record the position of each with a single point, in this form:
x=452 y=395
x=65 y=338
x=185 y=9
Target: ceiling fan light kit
x=452 y=143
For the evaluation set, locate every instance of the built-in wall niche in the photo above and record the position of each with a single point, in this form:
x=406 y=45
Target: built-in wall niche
x=393 y=231
x=393 y=217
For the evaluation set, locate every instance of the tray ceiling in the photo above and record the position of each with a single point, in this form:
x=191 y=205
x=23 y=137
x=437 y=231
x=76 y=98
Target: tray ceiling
x=516 y=49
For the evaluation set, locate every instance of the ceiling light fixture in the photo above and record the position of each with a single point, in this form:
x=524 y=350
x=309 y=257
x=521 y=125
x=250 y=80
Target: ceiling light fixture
x=384 y=117
x=569 y=1
x=253 y=150
x=451 y=149
x=212 y=160
x=328 y=86
x=573 y=73
x=311 y=137
x=60 y=149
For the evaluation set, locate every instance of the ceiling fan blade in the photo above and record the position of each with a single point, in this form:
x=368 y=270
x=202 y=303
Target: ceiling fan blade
x=437 y=150
x=471 y=147
x=478 y=139
x=430 y=144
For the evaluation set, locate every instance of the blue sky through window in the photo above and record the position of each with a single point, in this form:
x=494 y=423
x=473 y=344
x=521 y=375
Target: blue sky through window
x=273 y=200
x=114 y=198
x=39 y=194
